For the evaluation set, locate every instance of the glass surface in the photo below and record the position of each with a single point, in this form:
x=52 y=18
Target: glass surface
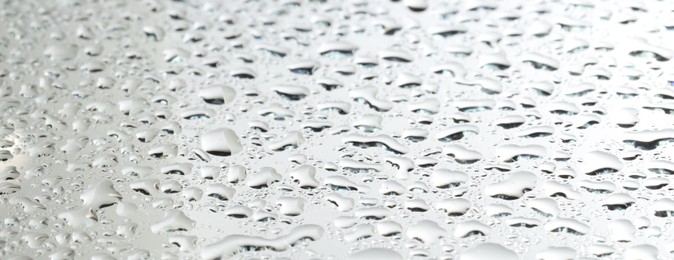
x=325 y=129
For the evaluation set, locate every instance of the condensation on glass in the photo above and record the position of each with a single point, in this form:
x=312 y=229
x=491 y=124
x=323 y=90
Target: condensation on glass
x=325 y=129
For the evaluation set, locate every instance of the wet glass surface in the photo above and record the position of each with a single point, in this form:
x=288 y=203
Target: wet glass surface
x=322 y=129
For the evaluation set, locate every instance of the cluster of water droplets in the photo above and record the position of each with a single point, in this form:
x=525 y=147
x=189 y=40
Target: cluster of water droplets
x=323 y=129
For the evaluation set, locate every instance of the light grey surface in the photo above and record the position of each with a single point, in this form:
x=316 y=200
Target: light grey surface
x=336 y=129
